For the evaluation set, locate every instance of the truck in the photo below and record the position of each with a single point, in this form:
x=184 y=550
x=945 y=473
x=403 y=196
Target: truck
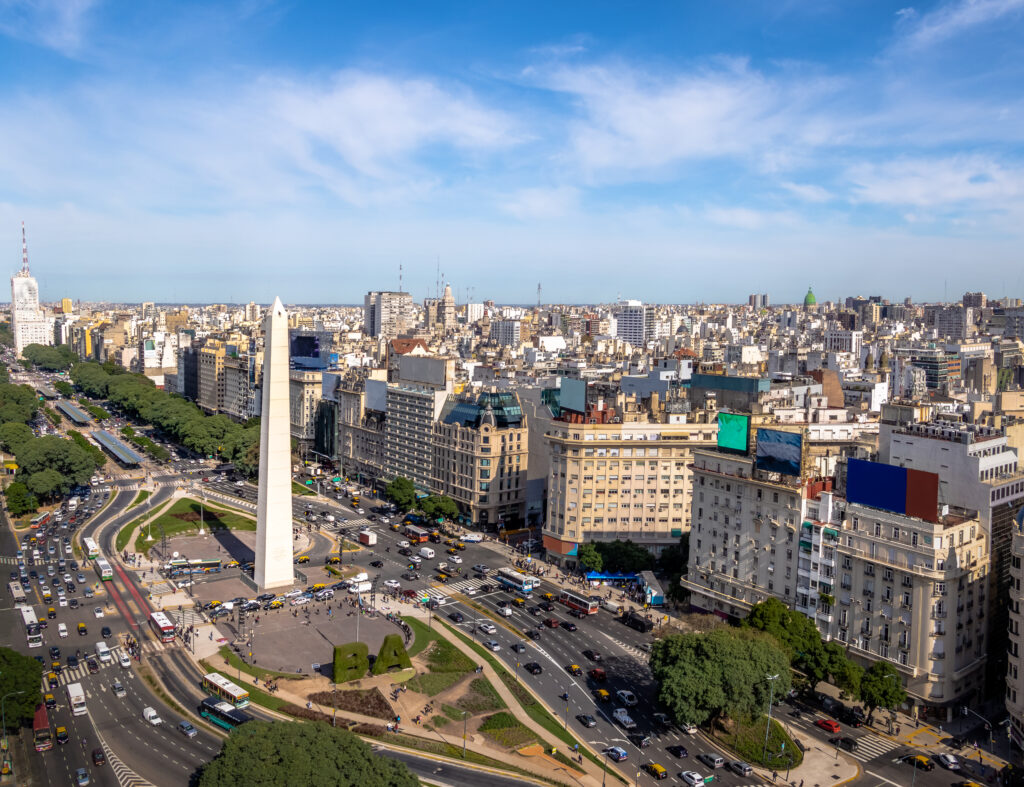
x=472 y=538
x=426 y=553
x=152 y=716
x=621 y=715
x=360 y=587
x=638 y=622
x=72 y=504
x=368 y=538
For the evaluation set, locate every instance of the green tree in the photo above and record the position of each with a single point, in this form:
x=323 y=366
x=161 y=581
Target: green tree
x=91 y=379
x=796 y=633
x=52 y=359
x=65 y=389
x=24 y=674
x=881 y=688
x=703 y=677
x=272 y=754
x=47 y=484
x=14 y=435
x=401 y=492
x=439 y=506
x=845 y=672
x=20 y=500
x=17 y=403
x=55 y=453
x=589 y=557
x=6 y=337
x=624 y=557
x=672 y=564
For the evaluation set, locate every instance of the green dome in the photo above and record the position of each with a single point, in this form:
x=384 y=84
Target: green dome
x=809 y=299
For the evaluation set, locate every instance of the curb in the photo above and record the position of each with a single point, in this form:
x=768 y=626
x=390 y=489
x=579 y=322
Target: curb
x=451 y=761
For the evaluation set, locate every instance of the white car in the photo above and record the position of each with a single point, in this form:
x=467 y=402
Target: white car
x=62 y=601
x=626 y=697
x=298 y=601
x=415 y=559
x=455 y=559
x=98 y=612
x=692 y=779
x=689 y=729
x=124 y=660
x=471 y=591
x=487 y=628
x=492 y=645
x=393 y=584
x=403 y=544
x=292 y=594
x=948 y=761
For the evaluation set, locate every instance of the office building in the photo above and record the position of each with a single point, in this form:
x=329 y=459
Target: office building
x=843 y=341
x=387 y=314
x=634 y=322
x=28 y=322
x=507 y=333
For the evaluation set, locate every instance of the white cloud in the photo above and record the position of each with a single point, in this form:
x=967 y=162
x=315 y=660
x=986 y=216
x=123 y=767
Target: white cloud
x=749 y=218
x=55 y=24
x=542 y=203
x=952 y=19
x=809 y=192
x=967 y=181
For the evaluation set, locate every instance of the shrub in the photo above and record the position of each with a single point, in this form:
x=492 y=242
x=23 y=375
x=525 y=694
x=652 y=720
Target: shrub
x=351 y=662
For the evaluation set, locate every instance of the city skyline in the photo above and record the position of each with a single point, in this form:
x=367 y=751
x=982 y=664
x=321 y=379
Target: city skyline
x=168 y=155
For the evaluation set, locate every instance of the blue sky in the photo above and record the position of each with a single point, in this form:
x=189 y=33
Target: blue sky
x=674 y=152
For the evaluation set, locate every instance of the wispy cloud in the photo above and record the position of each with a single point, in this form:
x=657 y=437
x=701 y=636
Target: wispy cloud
x=542 y=203
x=971 y=182
x=952 y=19
x=808 y=192
x=55 y=24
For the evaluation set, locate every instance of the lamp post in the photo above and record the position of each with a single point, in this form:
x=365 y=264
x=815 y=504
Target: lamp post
x=463 y=734
x=565 y=696
x=604 y=762
x=3 y=712
x=771 y=697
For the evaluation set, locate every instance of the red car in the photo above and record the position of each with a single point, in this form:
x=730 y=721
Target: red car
x=828 y=725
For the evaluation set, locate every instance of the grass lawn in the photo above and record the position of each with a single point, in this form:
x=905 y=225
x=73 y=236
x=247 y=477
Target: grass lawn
x=237 y=664
x=746 y=738
x=433 y=683
x=186 y=515
x=506 y=730
x=139 y=499
x=301 y=489
x=480 y=698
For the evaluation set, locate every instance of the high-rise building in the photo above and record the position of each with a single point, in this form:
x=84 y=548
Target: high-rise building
x=474 y=312
x=387 y=314
x=507 y=333
x=447 y=310
x=252 y=312
x=28 y=322
x=634 y=322
x=974 y=300
x=758 y=301
x=842 y=341
x=66 y=306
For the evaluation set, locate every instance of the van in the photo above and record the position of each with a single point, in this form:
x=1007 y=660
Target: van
x=151 y=716
x=103 y=653
x=62 y=630
x=362 y=576
x=611 y=606
x=360 y=587
x=426 y=553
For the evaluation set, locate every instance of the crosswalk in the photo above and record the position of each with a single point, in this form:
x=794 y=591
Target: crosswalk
x=74 y=674
x=869 y=746
x=7 y=560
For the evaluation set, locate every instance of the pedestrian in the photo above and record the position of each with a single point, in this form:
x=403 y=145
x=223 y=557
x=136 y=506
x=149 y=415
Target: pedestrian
x=775 y=775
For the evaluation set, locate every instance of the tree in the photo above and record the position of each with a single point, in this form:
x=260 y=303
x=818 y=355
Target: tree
x=401 y=492
x=55 y=358
x=624 y=557
x=672 y=564
x=91 y=379
x=13 y=435
x=845 y=672
x=267 y=754
x=704 y=677
x=438 y=506
x=55 y=453
x=796 y=633
x=65 y=389
x=589 y=557
x=881 y=688
x=47 y=483
x=24 y=674
x=19 y=499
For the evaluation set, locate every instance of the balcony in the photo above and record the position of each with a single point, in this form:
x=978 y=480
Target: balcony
x=936 y=656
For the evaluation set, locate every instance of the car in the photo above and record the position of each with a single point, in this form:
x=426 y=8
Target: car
x=105 y=632
x=968 y=784
x=519 y=647
x=711 y=760
x=392 y=584
x=481 y=568
x=410 y=576
x=72 y=662
x=82 y=630
x=828 y=725
x=377 y=563
x=740 y=768
x=533 y=668
x=186 y=729
x=656 y=770
x=49 y=701
x=88 y=593
x=62 y=735
x=640 y=740
x=81 y=579
x=586 y=720
x=93 y=665
x=846 y=742
x=692 y=779
x=677 y=751
x=487 y=628
x=415 y=560
x=948 y=761
x=616 y=753
x=81 y=777
x=597 y=674
x=568 y=625
x=573 y=669
x=593 y=655
x=547 y=606
x=98 y=612
x=455 y=559
x=551 y=623
x=627 y=698
x=492 y=645
x=533 y=634
x=54 y=652
x=118 y=689
x=456 y=617
x=74 y=602
x=98 y=757
x=919 y=761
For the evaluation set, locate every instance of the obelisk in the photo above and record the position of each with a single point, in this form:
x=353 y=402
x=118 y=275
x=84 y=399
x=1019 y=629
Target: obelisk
x=274 y=521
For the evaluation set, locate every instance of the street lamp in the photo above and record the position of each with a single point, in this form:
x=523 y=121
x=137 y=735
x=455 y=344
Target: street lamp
x=463 y=734
x=565 y=696
x=771 y=697
x=3 y=713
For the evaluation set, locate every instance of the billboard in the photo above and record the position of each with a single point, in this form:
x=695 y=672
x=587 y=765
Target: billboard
x=734 y=432
x=573 y=395
x=779 y=452
x=891 y=488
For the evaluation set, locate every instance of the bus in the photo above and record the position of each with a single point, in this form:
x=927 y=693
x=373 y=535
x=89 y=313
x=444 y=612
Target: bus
x=162 y=626
x=76 y=699
x=416 y=535
x=41 y=519
x=221 y=713
x=41 y=729
x=582 y=603
x=180 y=567
x=513 y=580
x=18 y=592
x=222 y=687
x=103 y=569
x=92 y=551
x=32 y=632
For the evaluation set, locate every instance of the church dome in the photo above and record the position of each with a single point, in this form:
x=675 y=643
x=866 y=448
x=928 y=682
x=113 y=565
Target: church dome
x=809 y=299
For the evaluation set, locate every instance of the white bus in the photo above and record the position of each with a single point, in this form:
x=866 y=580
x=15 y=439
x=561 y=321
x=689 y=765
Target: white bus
x=220 y=686
x=76 y=699
x=18 y=592
x=92 y=551
x=512 y=579
x=103 y=569
x=32 y=631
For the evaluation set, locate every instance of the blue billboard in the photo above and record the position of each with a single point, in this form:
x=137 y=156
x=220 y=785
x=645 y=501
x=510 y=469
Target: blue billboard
x=779 y=452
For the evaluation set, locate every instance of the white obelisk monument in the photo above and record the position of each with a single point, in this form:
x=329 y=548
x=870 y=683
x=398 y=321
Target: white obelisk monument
x=274 y=520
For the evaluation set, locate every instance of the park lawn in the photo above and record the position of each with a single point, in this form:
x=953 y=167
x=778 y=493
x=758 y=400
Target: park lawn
x=185 y=517
x=237 y=664
x=507 y=730
x=433 y=683
x=301 y=489
x=746 y=738
x=424 y=636
x=480 y=698
x=140 y=498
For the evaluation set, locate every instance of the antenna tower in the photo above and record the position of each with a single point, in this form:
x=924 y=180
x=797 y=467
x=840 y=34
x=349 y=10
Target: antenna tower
x=24 y=250
x=400 y=277
x=538 y=295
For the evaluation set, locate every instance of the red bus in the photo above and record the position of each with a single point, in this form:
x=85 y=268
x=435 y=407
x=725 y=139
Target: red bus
x=162 y=626
x=582 y=603
x=416 y=535
x=41 y=729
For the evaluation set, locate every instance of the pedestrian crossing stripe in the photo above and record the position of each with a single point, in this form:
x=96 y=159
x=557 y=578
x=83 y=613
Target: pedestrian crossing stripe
x=73 y=674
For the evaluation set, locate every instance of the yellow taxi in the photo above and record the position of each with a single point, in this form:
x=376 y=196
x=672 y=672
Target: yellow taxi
x=459 y=545
x=82 y=630
x=275 y=604
x=318 y=586
x=548 y=596
x=51 y=613
x=656 y=770
x=50 y=701
x=574 y=669
x=62 y=735
x=395 y=527
x=519 y=602
x=449 y=542
x=602 y=695
x=452 y=551
x=442 y=578
x=333 y=560
x=51 y=680
x=231 y=564
x=302 y=559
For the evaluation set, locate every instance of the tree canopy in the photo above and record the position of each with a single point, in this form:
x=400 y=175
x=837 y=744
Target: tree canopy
x=269 y=754
x=723 y=673
x=52 y=359
x=401 y=492
x=19 y=673
x=589 y=557
x=19 y=499
x=624 y=557
x=881 y=687
x=13 y=435
x=55 y=453
x=18 y=403
x=437 y=506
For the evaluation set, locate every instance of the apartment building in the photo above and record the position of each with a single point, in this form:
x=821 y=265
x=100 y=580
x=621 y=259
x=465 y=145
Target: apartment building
x=387 y=314
x=241 y=386
x=304 y=393
x=1015 y=625
x=210 y=368
x=481 y=450
x=619 y=480
x=889 y=585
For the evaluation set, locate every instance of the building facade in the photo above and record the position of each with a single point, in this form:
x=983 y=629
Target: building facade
x=387 y=314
